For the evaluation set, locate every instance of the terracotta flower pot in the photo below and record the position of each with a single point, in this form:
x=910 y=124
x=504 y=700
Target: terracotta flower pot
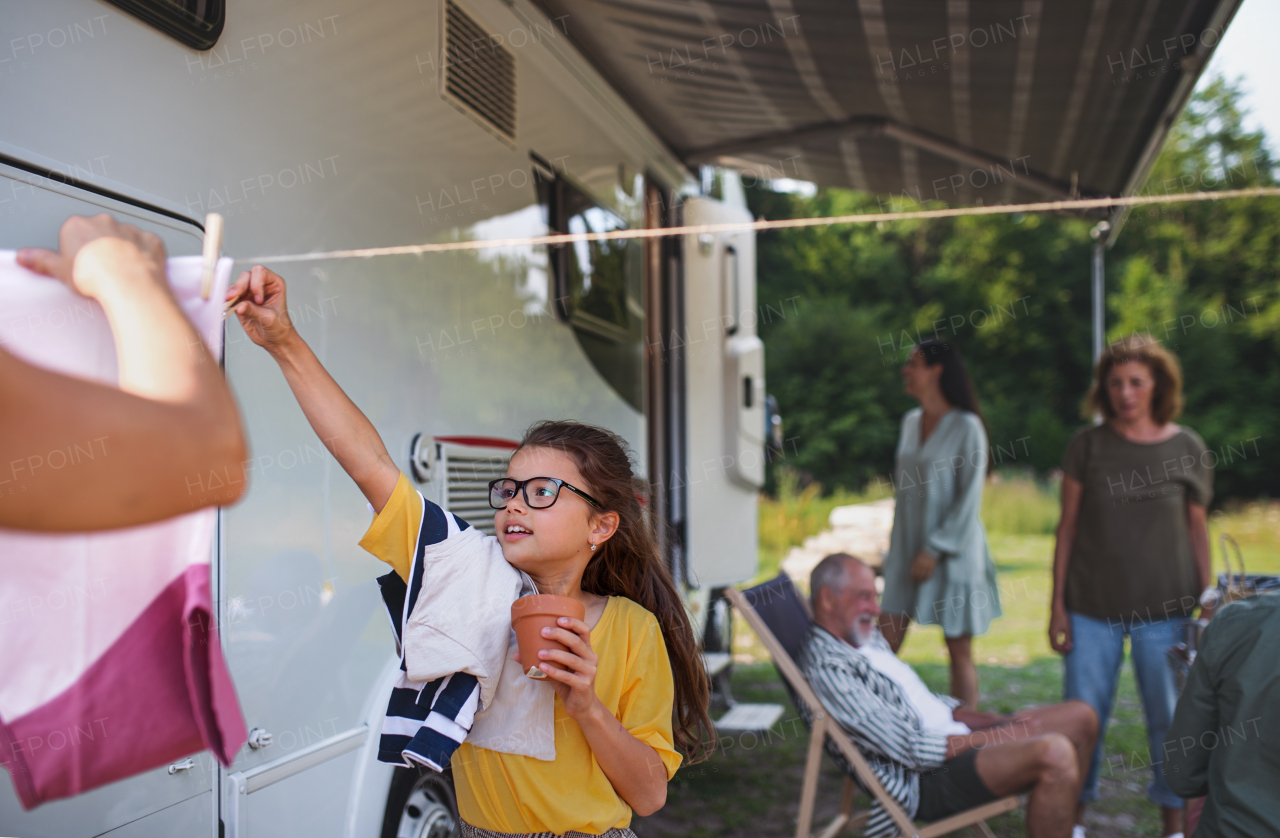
x=529 y=616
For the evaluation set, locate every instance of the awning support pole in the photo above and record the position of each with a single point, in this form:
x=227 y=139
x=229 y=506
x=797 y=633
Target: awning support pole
x=1099 y=288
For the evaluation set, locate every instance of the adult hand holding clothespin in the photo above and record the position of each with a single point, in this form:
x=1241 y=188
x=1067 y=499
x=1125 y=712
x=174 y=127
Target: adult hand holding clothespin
x=164 y=408
x=102 y=259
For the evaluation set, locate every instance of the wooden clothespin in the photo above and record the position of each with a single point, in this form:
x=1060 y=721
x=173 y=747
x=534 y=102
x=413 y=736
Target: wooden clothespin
x=212 y=248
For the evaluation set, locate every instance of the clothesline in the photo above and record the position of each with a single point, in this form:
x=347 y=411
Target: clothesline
x=782 y=224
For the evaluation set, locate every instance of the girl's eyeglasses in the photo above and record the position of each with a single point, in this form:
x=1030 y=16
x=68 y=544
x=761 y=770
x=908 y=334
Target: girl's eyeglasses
x=538 y=492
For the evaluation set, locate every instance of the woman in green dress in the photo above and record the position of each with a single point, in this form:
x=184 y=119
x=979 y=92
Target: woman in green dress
x=939 y=570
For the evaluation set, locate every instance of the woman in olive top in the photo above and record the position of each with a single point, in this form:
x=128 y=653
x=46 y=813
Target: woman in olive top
x=1133 y=549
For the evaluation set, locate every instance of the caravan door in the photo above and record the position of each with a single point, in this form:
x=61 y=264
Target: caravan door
x=35 y=201
x=724 y=391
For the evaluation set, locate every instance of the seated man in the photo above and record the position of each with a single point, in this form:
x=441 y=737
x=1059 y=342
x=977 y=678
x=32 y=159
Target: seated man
x=1223 y=741
x=908 y=733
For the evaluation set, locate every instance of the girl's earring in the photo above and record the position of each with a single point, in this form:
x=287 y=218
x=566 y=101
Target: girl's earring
x=593 y=547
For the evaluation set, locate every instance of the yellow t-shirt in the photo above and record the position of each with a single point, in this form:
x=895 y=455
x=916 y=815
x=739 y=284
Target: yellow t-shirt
x=511 y=793
x=393 y=535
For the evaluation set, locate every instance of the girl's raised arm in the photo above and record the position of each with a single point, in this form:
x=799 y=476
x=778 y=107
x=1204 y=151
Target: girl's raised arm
x=341 y=426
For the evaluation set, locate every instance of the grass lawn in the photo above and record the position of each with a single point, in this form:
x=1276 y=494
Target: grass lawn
x=751 y=785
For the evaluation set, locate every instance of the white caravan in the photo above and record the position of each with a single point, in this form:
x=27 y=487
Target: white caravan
x=341 y=124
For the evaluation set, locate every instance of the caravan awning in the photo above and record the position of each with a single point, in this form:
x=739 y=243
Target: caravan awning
x=965 y=101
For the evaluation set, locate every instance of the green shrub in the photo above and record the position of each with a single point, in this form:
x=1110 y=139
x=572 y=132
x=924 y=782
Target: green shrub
x=794 y=514
x=1012 y=504
x=1016 y=504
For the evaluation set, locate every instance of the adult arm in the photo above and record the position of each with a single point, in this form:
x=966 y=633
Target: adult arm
x=167 y=441
x=970 y=467
x=978 y=720
x=1198 y=530
x=341 y=426
x=873 y=723
x=993 y=728
x=1059 y=621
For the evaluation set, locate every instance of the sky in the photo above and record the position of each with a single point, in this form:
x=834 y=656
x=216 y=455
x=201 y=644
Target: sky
x=1247 y=51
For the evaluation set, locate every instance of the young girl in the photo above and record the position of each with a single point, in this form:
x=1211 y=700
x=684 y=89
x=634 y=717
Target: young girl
x=615 y=731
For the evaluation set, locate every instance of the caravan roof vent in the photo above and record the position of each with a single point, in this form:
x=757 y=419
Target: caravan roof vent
x=479 y=74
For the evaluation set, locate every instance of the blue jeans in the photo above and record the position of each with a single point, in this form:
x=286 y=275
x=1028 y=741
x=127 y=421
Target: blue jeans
x=1092 y=672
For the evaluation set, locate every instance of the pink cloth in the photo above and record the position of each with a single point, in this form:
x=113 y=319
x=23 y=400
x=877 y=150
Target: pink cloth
x=110 y=663
x=1193 y=808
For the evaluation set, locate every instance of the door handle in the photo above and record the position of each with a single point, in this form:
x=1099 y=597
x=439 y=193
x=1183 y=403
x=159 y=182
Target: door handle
x=186 y=765
x=259 y=739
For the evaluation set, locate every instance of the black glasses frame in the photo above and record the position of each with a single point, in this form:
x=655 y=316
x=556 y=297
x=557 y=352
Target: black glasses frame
x=524 y=492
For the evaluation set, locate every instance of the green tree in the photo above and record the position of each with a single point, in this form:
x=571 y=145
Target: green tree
x=1013 y=291
x=1203 y=278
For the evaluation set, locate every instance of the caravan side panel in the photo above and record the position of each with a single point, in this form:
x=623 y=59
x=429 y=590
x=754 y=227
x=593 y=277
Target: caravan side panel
x=311 y=128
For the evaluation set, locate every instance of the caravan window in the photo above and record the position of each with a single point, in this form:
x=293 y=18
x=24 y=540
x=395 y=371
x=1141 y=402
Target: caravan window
x=596 y=274
x=599 y=287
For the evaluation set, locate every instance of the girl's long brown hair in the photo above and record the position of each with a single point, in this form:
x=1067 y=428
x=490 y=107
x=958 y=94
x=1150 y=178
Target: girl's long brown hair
x=629 y=565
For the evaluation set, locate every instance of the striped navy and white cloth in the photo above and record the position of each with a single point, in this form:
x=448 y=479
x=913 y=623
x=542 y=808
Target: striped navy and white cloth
x=879 y=718
x=425 y=723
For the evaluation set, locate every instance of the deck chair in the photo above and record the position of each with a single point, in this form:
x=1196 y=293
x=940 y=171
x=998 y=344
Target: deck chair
x=780 y=618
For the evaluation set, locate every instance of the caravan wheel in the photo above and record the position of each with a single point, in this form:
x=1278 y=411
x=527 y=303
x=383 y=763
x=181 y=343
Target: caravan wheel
x=420 y=805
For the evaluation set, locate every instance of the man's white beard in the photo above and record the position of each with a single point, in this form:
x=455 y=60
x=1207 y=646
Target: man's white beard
x=861 y=632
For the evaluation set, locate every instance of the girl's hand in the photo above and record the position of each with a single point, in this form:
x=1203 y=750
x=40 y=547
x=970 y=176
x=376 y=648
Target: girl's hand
x=576 y=684
x=259 y=303
x=923 y=567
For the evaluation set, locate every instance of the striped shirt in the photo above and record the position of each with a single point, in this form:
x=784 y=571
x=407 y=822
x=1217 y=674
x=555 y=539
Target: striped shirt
x=425 y=723
x=879 y=718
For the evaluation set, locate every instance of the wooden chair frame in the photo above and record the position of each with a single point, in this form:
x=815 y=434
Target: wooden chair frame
x=825 y=726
